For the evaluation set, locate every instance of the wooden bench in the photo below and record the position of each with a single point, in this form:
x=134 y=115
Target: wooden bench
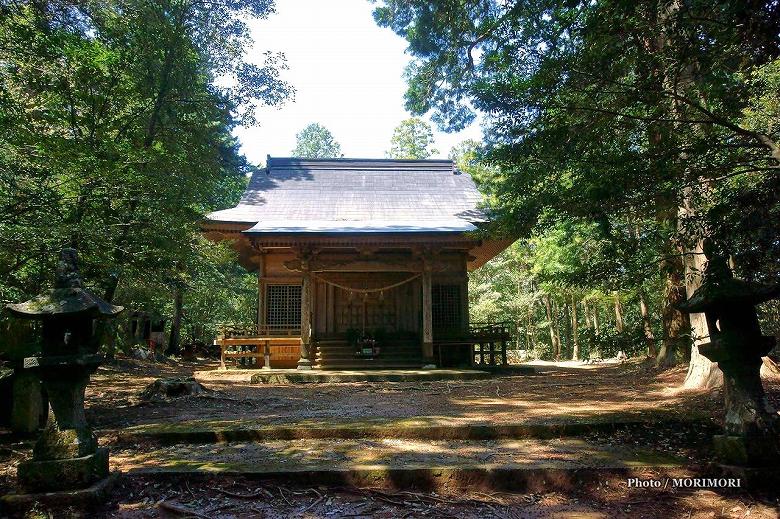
x=284 y=350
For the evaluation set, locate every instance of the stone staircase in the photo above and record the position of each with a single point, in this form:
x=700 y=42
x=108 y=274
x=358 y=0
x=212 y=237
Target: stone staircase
x=337 y=354
x=422 y=453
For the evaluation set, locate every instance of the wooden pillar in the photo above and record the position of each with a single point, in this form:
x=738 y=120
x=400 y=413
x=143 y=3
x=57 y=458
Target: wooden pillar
x=427 y=316
x=464 y=304
x=330 y=306
x=306 y=315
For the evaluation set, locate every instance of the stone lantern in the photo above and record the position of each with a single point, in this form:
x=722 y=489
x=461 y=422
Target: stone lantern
x=751 y=439
x=66 y=456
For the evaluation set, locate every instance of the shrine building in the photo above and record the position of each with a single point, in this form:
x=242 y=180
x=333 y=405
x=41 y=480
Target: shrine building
x=360 y=263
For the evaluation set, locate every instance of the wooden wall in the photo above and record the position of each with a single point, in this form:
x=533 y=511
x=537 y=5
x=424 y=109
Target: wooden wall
x=396 y=310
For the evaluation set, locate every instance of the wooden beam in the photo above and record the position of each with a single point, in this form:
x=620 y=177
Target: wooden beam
x=377 y=263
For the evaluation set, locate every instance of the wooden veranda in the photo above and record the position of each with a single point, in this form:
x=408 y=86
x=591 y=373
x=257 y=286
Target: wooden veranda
x=482 y=345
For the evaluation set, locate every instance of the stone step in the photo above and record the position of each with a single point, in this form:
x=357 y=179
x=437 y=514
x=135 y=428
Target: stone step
x=519 y=465
x=419 y=428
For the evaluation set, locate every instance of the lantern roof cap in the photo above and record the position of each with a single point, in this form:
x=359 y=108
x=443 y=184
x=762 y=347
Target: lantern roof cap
x=68 y=296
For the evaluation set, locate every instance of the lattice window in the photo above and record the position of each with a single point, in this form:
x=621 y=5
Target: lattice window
x=445 y=307
x=283 y=306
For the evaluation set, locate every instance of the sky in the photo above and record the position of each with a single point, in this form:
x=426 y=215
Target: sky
x=348 y=76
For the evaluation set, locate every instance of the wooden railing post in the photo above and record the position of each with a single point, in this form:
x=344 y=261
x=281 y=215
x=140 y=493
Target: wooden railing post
x=267 y=354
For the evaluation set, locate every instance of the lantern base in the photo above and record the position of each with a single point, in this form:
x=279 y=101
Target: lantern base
x=63 y=474
x=81 y=499
x=754 y=451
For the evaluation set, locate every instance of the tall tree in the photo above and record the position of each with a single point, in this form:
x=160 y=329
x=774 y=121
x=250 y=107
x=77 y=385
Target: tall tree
x=316 y=142
x=605 y=111
x=412 y=139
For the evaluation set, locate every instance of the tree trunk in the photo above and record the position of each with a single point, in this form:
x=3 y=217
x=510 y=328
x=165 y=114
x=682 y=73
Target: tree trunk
x=586 y=312
x=675 y=324
x=554 y=340
x=173 y=342
x=575 y=340
x=556 y=324
x=647 y=326
x=596 y=320
x=619 y=324
x=702 y=373
x=529 y=330
x=566 y=329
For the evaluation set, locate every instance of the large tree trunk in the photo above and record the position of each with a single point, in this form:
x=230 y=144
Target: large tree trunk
x=647 y=326
x=575 y=340
x=660 y=136
x=596 y=319
x=702 y=373
x=675 y=324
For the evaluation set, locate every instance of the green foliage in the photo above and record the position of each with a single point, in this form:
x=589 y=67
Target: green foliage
x=602 y=111
x=468 y=157
x=115 y=137
x=745 y=205
x=512 y=288
x=412 y=139
x=603 y=119
x=316 y=142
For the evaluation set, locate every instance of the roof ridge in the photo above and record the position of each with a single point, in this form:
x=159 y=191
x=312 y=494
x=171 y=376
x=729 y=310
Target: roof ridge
x=357 y=163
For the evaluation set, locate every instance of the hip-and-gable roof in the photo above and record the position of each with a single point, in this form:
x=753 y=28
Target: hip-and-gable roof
x=329 y=196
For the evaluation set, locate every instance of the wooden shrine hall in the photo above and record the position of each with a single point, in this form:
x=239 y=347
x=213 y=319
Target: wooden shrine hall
x=360 y=263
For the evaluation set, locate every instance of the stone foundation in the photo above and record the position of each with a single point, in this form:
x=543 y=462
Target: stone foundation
x=63 y=474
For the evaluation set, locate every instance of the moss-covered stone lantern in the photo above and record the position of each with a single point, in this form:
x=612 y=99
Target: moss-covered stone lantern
x=752 y=427
x=66 y=455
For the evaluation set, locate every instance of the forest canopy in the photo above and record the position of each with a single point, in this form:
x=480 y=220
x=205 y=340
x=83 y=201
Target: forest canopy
x=618 y=134
x=115 y=139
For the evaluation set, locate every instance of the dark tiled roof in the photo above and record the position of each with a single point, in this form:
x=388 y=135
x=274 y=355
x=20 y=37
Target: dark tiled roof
x=356 y=195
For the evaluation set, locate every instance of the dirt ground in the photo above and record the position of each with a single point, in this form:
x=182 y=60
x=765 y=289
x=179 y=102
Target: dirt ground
x=555 y=394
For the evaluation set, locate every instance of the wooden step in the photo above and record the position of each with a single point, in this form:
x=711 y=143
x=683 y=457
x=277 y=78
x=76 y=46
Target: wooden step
x=357 y=360
x=370 y=364
x=390 y=347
